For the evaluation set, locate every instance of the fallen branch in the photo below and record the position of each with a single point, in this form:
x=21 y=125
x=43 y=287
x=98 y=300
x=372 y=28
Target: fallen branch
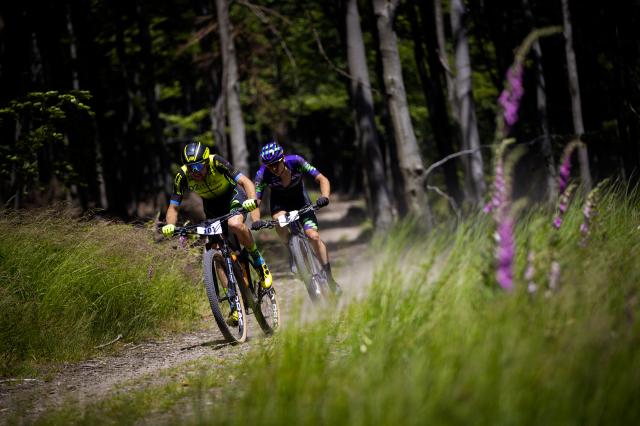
x=454 y=206
x=109 y=343
x=469 y=151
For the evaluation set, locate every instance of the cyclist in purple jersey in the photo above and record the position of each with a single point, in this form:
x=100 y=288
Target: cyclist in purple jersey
x=283 y=175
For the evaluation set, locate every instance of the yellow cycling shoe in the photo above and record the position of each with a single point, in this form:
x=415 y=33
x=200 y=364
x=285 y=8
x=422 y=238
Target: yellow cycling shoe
x=265 y=276
x=232 y=319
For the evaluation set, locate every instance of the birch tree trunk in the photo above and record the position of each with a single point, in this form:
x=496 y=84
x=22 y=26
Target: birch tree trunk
x=541 y=103
x=574 y=90
x=474 y=174
x=239 y=155
x=365 y=122
x=409 y=156
x=387 y=138
x=433 y=89
x=215 y=92
x=444 y=59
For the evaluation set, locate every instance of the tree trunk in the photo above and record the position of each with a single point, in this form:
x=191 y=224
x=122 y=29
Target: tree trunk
x=574 y=90
x=75 y=83
x=432 y=87
x=408 y=151
x=443 y=57
x=161 y=165
x=387 y=143
x=232 y=88
x=365 y=121
x=73 y=50
x=474 y=174
x=627 y=51
x=213 y=79
x=541 y=103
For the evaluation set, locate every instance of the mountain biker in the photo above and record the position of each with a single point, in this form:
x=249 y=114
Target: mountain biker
x=223 y=189
x=283 y=174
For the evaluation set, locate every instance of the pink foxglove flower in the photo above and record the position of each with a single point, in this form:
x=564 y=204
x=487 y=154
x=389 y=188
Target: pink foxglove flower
x=564 y=171
x=505 y=253
x=554 y=275
x=532 y=287
x=499 y=188
x=510 y=97
x=563 y=204
x=589 y=210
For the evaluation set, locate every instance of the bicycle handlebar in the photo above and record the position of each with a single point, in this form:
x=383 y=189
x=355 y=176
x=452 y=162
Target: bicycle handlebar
x=193 y=229
x=273 y=222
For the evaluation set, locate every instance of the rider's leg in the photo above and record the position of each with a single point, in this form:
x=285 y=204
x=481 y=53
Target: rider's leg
x=241 y=231
x=318 y=245
x=283 y=233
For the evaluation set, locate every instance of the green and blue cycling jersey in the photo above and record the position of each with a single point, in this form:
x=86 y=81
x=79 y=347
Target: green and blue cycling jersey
x=293 y=196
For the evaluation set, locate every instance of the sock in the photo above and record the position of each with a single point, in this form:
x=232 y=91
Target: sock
x=255 y=255
x=327 y=270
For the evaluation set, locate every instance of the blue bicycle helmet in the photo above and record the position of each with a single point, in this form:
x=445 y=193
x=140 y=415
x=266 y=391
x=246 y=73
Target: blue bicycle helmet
x=271 y=153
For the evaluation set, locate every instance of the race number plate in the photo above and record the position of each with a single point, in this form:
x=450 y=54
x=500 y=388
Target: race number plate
x=287 y=218
x=214 y=228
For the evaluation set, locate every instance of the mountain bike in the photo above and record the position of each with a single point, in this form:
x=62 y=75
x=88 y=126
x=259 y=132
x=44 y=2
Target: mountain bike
x=231 y=283
x=307 y=265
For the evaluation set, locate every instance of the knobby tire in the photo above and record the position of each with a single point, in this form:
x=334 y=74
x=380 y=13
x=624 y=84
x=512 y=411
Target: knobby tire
x=309 y=268
x=220 y=308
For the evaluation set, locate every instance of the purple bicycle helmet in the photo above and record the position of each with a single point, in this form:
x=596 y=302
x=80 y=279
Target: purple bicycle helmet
x=271 y=153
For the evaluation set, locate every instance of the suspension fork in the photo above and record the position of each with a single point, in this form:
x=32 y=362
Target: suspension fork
x=231 y=278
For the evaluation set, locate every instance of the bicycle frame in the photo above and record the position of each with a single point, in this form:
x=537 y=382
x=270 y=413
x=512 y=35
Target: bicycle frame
x=307 y=262
x=235 y=295
x=240 y=288
x=221 y=244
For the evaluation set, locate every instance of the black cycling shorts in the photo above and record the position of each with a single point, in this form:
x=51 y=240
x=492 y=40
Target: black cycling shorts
x=293 y=198
x=219 y=206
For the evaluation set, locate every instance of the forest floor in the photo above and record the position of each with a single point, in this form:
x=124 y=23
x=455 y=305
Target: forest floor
x=131 y=366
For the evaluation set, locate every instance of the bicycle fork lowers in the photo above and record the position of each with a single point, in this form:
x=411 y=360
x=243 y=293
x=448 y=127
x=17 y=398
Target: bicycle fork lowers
x=232 y=297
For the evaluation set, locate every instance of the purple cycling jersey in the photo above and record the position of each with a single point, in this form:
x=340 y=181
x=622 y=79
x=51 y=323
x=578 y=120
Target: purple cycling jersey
x=298 y=167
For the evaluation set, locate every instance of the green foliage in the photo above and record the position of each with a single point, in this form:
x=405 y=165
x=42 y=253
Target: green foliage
x=69 y=285
x=39 y=120
x=430 y=343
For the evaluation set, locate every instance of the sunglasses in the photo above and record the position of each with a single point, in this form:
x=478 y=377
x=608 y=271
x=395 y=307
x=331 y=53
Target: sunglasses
x=196 y=167
x=275 y=165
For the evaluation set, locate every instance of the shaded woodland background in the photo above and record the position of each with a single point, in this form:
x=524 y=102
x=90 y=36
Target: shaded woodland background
x=98 y=97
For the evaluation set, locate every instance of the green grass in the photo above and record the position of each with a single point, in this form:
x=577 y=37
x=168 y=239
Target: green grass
x=436 y=342
x=69 y=285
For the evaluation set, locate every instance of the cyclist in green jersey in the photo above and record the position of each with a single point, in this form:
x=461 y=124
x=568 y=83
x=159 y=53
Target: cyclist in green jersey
x=223 y=189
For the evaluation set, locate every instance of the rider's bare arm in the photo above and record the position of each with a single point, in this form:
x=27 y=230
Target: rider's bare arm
x=255 y=214
x=325 y=186
x=172 y=214
x=248 y=186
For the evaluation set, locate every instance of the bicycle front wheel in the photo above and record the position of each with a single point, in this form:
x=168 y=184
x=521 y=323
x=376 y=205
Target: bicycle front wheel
x=219 y=282
x=308 y=267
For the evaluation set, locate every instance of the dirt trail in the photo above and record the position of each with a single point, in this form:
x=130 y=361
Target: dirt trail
x=93 y=379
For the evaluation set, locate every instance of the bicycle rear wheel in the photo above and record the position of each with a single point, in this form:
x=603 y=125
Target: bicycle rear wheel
x=215 y=279
x=309 y=268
